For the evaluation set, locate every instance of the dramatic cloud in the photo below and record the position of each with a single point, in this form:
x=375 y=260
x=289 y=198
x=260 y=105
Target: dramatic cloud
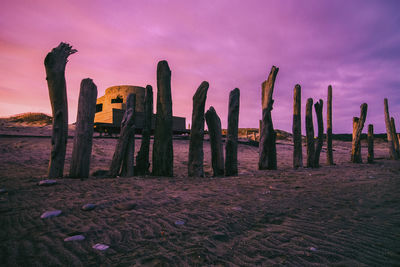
x=353 y=45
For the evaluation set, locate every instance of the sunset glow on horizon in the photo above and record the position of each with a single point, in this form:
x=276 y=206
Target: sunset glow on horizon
x=351 y=45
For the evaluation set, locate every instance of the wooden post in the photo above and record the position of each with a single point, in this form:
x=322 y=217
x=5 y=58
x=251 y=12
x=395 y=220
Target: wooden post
x=82 y=148
x=128 y=161
x=142 y=158
x=127 y=131
x=355 y=125
x=196 y=153
x=163 y=153
x=55 y=63
x=356 y=144
x=320 y=141
x=329 y=152
x=310 y=134
x=267 y=146
x=370 y=143
x=389 y=132
x=296 y=128
x=395 y=138
x=215 y=133
x=231 y=165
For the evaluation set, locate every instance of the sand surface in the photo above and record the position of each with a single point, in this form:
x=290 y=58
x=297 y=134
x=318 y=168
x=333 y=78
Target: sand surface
x=347 y=214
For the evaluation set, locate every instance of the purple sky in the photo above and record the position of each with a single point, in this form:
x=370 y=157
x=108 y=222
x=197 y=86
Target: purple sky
x=353 y=45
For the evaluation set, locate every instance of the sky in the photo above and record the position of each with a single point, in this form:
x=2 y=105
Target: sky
x=352 y=45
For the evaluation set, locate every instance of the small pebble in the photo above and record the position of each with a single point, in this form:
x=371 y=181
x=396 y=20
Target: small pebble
x=52 y=213
x=74 y=238
x=179 y=222
x=47 y=182
x=237 y=208
x=3 y=190
x=88 y=206
x=313 y=249
x=100 y=246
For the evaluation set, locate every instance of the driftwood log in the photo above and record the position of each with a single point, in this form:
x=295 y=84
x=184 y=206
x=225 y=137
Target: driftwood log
x=356 y=143
x=231 y=164
x=163 y=155
x=215 y=133
x=370 y=139
x=267 y=147
x=55 y=63
x=82 y=148
x=142 y=158
x=390 y=134
x=128 y=161
x=395 y=138
x=127 y=133
x=296 y=128
x=320 y=140
x=310 y=134
x=196 y=153
x=329 y=152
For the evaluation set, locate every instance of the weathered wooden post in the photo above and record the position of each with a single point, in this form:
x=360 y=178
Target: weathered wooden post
x=395 y=138
x=329 y=152
x=389 y=132
x=370 y=140
x=231 y=165
x=196 y=154
x=356 y=144
x=267 y=146
x=163 y=154
x=320 y=140
x=55 y=63
x=310 y=134
x=215 y=133
x=128 y=161
x=127 y=132
x=355 y=125
x=82 y=148
x=142 y=158
x=296 y=128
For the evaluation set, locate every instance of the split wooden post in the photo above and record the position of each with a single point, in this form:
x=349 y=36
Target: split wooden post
x=215 y=133
x=163 y=153
x=355 y=125
x=320 y=140
x=329 y=152
x=82 y=148
x=231 y=164
x=267 y=146
x=310 y=134
x=55 y=63
x=196 y=153
x=142 y=158
x=389 y=132
x=128 y=162
x=370 y=140
x=127 y=132
x=395 y=138
x=356 y=143
x=296 y=128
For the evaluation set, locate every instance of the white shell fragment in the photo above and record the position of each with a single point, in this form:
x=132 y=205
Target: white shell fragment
x=47 y=182
x=99 y=246
x=88 y=206
x=179 y=222
x=74 y=238
x=49 y=214
x=313 y=249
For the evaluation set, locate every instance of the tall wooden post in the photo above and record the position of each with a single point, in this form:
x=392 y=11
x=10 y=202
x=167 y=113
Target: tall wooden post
x=55 y=63
x=127 y=131
x=320 y=141
x=370 y=140
x=215 y=133
x=355 y=125
x=196 y=154
x=231 y=165
x=142 y=158
x=296 y=128
x=395 y=138
x=389 y=132
x=163 y=153
x=329 y=152
x=310 y=134
x=82 y=149
x=356 y=144
x=128 y=161
x=267 y=145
